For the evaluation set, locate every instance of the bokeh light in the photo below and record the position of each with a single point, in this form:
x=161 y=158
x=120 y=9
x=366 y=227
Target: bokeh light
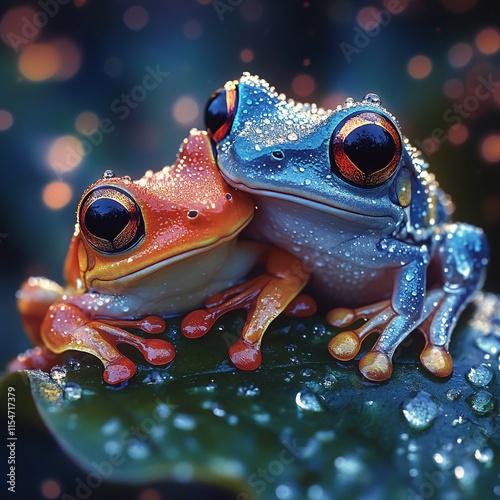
x=490 y=148
x=396 y=7
x=303 y=85
x=333 y=100
x=458 y=6
x=460 y=55
x=246 y=55
x=135 y=17
x=368 y=18
x=57 y=194
x=50 y=489
x=185 y=110
x=150 y=494
x=87 y=122
x=458 y=134
x=6 y=120
x=251 y=10
x=419 y=67
x=39 y=62
x=192 y=29
x=453 y=88
x=17 y=28
x=65 y=154
x=69 y=58
x=488 y=41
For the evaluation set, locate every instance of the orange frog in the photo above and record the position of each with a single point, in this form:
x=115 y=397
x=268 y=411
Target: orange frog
x=159 y=246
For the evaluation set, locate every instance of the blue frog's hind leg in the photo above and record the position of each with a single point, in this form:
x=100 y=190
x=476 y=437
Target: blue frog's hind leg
x=461 y=254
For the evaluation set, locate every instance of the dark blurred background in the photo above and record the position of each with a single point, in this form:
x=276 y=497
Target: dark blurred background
x=73 y=101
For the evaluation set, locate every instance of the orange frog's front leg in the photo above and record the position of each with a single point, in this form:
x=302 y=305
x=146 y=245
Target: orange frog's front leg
x=66 y=327
x=63 y=326
x=264 y=297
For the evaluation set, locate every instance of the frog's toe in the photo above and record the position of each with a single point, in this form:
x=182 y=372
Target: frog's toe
x=245 y=356
x=437 y=360
x=197 y=323
x=341 y=316
x=158 y=352
x=345 y=346
x=119 y=370
x=376 y=366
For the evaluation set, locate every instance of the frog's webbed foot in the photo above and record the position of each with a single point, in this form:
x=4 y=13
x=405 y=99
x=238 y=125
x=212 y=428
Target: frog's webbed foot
x=376 y=364
x=264 y=298
x=66 y=328
x=461 y=256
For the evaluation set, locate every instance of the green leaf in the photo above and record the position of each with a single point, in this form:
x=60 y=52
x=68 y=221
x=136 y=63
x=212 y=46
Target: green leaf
x=301 y=426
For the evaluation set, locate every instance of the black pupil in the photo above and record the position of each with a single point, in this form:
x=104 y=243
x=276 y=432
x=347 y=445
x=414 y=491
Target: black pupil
x=106 y=219
x=216 y=111
x=370 y=147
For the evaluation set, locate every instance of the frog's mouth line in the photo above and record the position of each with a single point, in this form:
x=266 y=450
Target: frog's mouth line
x=341 y=213
x=153 y=268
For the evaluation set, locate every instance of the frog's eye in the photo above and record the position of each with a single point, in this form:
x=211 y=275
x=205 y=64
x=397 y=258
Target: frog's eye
x=365 y=149
x=110 y=220
x=220 y=111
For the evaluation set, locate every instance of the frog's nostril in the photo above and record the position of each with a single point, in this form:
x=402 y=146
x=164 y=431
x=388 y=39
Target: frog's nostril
x=365 y=149
x=219 y=112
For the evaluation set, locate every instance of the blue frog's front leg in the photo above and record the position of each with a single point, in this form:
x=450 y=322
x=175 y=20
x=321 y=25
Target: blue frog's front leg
x=460 y=255
x=394 y=318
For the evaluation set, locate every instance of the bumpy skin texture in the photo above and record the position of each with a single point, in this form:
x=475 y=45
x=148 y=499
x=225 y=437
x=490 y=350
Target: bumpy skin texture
x=155 y=247
x=346 y=193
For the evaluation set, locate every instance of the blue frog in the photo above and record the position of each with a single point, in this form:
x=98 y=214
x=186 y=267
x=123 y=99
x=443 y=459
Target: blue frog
x=345 y=192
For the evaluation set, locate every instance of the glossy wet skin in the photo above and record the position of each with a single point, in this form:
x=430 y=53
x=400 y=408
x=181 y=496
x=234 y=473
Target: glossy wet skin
x=344 y=191
x=289 y=156
x=132 y=235
x=159 y=246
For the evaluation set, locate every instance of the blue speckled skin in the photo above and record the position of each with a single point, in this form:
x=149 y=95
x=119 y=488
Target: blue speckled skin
x=394 y=241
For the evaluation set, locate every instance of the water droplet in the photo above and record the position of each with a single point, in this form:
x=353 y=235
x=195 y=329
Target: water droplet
x=72 y=391
x=453 y=394
x=480 y=375
x=484 y=456
x=373 y=99
x=307 y=400
x=482 y=402
x=138 y=450
x=58 y=374
x=184 y=422
x=111 y=427
x=248 y=391
x=73 y=364
x=108 y=174
x=420 y=410
x=319 y=330
x=292 y=136
x=349 y=102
